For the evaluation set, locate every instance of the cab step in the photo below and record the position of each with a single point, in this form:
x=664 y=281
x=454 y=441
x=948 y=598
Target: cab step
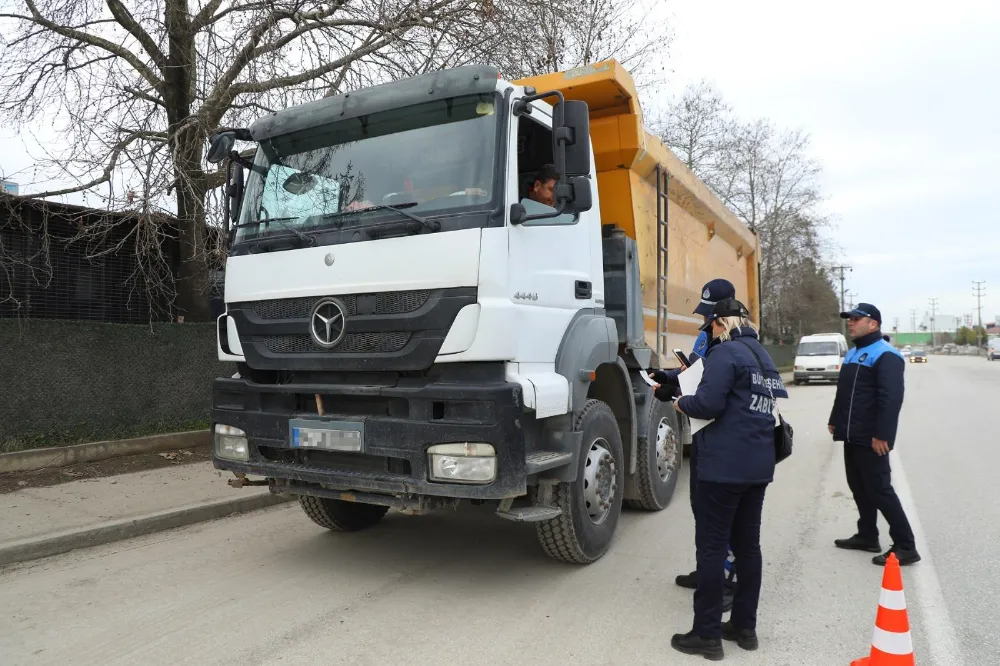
x=540 y=461
x=530 y=514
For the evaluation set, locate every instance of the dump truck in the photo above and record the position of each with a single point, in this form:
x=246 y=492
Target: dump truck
x=412 y=330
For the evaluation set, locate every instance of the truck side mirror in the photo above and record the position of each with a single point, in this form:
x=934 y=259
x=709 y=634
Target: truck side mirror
x=571 y=135
x=575 y=193
x=220 y=145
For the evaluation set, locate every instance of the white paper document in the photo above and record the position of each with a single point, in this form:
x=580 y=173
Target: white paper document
x=648 y=379
x=689 y=380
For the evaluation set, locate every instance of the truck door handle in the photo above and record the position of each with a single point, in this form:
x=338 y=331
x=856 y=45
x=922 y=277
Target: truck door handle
x=583 y=289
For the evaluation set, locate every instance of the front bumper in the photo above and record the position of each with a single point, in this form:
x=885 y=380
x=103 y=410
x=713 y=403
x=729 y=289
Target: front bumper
x=401 y=421
x=806 y=375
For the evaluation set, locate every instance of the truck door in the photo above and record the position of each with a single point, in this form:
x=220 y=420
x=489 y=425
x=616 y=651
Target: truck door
x=551 y=267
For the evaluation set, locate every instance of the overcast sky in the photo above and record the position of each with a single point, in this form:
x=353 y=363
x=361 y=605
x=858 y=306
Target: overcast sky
x=902 y=101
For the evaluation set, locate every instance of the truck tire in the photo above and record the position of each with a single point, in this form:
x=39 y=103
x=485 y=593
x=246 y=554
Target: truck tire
x=658 y=459
x=339 y=515
x=591 y=504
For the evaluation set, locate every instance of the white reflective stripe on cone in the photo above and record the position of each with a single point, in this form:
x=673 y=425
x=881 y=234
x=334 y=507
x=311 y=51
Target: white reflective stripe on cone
x=891 y=642
x=892 y=599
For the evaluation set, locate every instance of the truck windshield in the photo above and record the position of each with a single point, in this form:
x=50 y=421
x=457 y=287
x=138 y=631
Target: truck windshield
x=435 y=159
x=818 y=349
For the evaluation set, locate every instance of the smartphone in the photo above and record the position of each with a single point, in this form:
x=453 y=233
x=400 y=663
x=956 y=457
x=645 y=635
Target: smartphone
x=682 y=358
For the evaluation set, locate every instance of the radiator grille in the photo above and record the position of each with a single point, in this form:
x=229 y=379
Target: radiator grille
x=386 y=303
x=353 y=343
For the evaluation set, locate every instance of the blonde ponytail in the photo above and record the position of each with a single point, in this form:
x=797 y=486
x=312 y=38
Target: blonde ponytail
x=729 y=323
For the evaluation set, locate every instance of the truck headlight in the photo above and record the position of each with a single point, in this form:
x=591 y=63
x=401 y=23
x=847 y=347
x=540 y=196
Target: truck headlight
x=231 y=443
x=465 y=462
x=833 y=367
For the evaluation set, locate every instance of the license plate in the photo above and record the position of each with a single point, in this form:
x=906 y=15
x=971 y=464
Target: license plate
x=326 y=436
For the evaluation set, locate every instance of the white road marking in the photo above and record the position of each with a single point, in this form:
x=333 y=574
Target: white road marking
x=941 y=637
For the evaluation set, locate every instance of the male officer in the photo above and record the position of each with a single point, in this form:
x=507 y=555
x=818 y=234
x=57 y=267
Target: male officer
x=714 y=291
x=865 y=415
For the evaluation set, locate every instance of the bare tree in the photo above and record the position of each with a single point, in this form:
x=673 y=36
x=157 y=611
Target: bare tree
x=767 y=178
x=696 y=128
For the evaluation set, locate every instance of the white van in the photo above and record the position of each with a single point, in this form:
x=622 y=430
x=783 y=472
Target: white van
x=820 y=357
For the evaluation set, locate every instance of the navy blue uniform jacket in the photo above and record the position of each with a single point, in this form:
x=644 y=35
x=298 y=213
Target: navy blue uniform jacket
x=869 y=393
x=738 y=447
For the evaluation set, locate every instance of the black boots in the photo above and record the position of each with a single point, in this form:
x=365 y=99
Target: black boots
x=857 y=543
x=745 y=638
x=691 y=643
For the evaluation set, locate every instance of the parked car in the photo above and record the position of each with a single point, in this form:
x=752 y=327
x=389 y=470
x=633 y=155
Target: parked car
x=992 y=349
x=819 y=356
x=918 y=356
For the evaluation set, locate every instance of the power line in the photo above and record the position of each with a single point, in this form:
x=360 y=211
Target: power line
x=979 y=291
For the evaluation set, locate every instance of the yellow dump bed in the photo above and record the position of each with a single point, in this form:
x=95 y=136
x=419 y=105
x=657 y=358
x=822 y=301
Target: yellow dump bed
x=704 y=239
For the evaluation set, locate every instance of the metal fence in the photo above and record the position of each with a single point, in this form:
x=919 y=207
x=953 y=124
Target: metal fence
x=67 y=381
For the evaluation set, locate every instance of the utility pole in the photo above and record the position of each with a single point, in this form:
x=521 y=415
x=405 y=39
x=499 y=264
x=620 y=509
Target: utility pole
x=979 y=291
x=913 y=320
x=933 y=314
x=843 y=322
x=850 y=299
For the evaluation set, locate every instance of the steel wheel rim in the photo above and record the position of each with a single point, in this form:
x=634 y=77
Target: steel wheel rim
x=600 y=481
x=666 y=450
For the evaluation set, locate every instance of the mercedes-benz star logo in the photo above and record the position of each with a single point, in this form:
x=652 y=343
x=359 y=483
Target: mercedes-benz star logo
x=327 y=323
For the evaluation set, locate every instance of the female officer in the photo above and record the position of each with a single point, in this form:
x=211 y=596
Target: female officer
x=735 y=463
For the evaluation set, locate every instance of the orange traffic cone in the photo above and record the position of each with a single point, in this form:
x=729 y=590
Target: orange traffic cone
x=891 y=644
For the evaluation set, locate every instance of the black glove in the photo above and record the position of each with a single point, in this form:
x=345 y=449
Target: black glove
x=666 y=392
x=664 y=377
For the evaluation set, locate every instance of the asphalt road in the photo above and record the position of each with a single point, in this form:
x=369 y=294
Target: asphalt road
x=467 y=588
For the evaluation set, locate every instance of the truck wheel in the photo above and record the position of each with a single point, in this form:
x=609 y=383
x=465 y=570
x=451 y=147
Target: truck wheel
x=658 y=459
x=339 y=515
x=591 y=504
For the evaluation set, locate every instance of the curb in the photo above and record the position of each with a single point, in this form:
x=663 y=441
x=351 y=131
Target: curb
x=117 y=530
x=60 y=456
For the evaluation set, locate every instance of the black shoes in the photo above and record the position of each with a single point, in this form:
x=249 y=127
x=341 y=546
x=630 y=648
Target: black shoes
x=690 y=581
x=745 y=638
x=857 y=543
x=692 y=643
x=904 y=556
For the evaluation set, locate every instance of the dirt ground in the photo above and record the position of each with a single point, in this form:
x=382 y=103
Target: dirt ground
x=12 y=481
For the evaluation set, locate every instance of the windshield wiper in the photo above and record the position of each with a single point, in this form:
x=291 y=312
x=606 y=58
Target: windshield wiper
x=433 y=225
x=305 y=238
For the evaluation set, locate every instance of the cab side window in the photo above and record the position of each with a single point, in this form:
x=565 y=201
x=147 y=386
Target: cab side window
x=534 y=152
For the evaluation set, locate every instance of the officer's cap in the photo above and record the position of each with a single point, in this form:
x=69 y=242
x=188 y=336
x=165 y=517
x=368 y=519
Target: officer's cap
x=713 y=292
x=727 y=307
x=863 y=310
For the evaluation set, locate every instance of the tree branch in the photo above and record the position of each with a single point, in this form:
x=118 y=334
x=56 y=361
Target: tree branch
x=89 y=39
x=127 y=21
x=109 y=168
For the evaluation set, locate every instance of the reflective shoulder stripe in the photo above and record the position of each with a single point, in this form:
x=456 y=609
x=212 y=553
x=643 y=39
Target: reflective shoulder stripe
x=892 y=643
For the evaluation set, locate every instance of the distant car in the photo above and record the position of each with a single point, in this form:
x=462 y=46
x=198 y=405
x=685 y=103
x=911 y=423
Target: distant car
x=906 y=352
x=918 y=356
x=993 y=349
